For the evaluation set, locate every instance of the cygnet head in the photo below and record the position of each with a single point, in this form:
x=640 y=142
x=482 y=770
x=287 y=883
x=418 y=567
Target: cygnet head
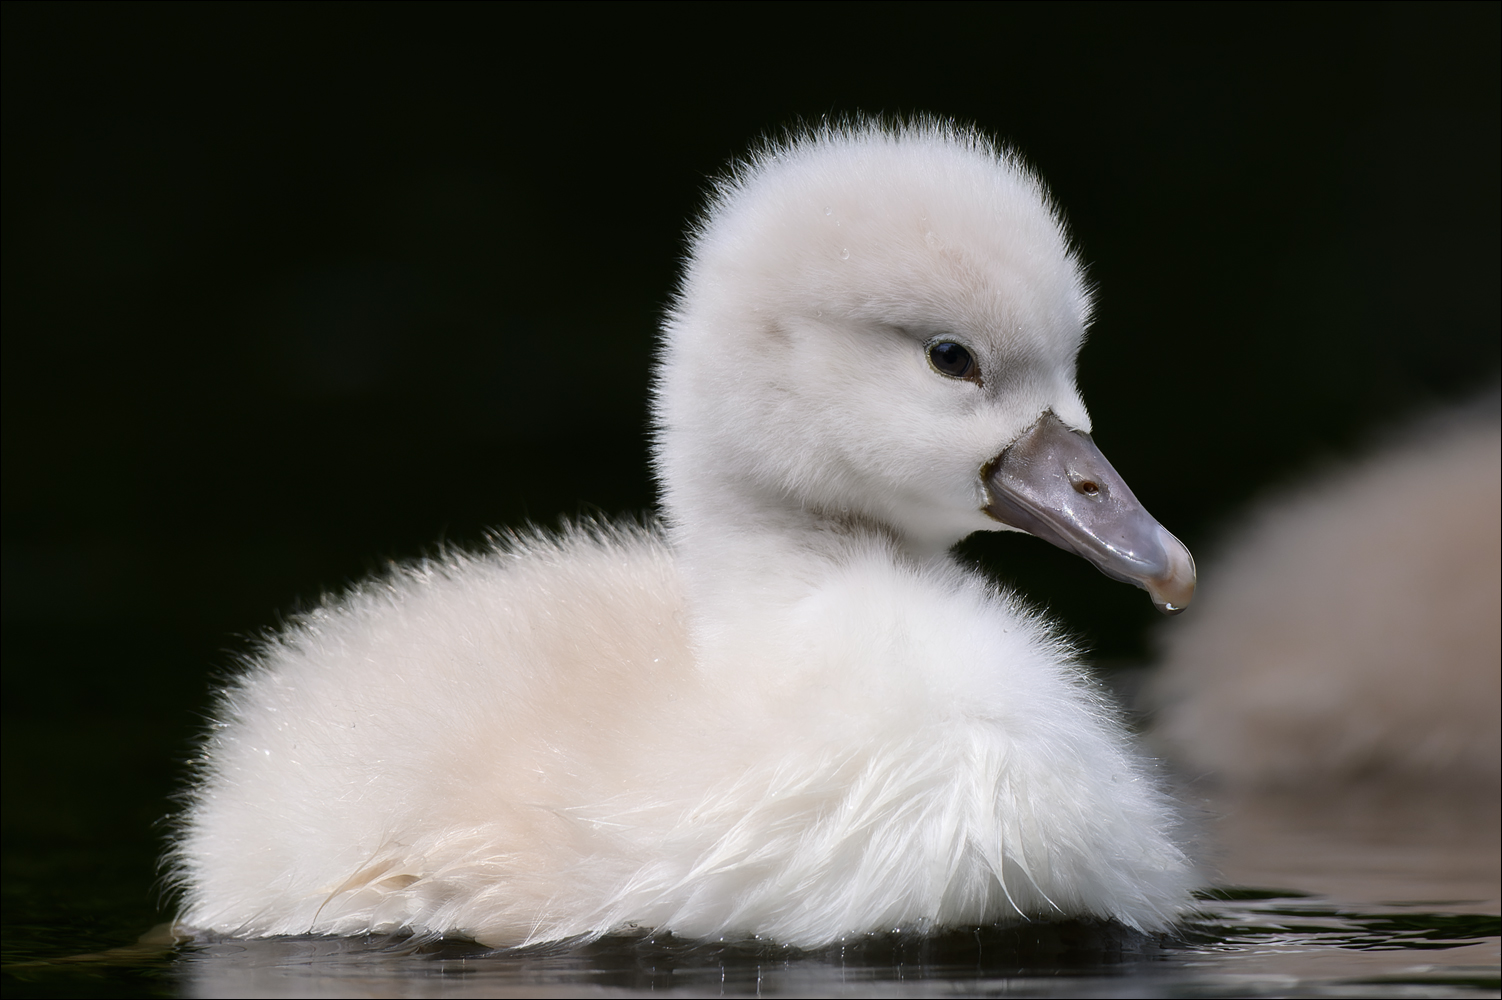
x=879 y=326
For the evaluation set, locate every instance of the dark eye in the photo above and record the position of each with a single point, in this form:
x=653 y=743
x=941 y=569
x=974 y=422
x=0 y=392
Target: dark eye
x=949 y=358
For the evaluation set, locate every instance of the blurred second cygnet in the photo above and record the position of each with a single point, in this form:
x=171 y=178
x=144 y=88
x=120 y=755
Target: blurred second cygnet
x=1348 y=633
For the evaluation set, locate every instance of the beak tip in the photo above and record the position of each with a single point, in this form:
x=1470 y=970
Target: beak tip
x=1174 y=590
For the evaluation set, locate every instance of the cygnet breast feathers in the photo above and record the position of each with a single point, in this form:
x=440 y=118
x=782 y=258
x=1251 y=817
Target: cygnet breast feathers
x=783 y=710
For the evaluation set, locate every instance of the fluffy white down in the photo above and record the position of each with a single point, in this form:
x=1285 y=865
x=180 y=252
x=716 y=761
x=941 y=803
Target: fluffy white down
x=1351 y=632
x=789 y=713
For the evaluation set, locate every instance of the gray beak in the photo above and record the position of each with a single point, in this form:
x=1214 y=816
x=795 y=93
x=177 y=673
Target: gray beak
x=1054 y=483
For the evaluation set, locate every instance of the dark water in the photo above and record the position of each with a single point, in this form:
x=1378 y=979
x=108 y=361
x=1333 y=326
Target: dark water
x=1250 y=943
x=1388 y=895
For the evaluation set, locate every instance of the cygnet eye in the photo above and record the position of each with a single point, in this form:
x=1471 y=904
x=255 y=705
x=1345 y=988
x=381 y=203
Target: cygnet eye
x=954 y=360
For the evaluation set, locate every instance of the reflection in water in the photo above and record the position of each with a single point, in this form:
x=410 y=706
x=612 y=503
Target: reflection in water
x=1242 y=943
x=1263 y=945
x=343 y=968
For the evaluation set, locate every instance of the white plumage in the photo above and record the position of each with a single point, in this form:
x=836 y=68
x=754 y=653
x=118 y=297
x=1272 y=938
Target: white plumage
x=788 y=713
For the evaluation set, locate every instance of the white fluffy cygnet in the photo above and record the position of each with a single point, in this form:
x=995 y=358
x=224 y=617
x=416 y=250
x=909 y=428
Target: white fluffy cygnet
x=788 y=712
x=1352 y=634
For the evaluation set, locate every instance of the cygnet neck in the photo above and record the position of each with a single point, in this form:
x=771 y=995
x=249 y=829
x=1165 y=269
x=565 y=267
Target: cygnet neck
x=745 y=555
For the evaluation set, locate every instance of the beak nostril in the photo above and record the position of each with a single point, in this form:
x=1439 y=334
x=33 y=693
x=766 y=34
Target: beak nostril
x=1054 y=483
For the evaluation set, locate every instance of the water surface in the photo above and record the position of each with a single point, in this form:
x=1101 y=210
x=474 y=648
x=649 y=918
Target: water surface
x=1385 y=894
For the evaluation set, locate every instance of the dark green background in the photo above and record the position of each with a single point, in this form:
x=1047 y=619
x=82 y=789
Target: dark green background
x=291 y=290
